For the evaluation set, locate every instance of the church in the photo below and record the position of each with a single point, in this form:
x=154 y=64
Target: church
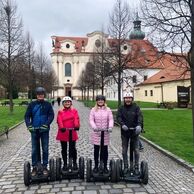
x=71 y=54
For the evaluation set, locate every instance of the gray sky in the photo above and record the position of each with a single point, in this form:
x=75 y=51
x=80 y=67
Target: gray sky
x=44 y=18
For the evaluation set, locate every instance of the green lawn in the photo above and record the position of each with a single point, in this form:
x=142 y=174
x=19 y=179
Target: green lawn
x=114 y=104
x=9 y=120
x=172 y=130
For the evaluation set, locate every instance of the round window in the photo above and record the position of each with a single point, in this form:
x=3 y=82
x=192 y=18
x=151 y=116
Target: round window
x=98 y=43
x=125 y=47
x=67 y=46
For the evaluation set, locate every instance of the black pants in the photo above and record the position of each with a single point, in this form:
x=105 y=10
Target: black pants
x=72 y=151
x=134 y=141
x=103 y=154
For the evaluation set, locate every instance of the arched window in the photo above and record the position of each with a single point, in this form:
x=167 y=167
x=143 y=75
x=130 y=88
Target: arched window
x=67 y=69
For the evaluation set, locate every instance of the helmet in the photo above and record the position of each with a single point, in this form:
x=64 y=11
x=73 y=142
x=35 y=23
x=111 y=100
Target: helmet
x=66 y=98
x=100 y=97
x=127 y=95
x=40 y=90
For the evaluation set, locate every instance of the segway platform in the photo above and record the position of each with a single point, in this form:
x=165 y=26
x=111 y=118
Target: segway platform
x=70 y=173
x=100 y=175
x=40 y=177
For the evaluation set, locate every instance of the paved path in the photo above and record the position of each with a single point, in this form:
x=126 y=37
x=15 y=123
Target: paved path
x=166 y=176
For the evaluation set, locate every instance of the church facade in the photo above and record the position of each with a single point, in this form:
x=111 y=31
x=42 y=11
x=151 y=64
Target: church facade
x=71 y=54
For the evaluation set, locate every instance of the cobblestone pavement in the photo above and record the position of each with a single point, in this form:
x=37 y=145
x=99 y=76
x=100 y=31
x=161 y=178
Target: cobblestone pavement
x=165 y=176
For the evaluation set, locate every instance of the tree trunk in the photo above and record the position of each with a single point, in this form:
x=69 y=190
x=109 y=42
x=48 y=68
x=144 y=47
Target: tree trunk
x=119 y=88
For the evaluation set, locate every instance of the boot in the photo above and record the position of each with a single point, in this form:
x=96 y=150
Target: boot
x=95 y=169
x=75 y=166
x=45 y=171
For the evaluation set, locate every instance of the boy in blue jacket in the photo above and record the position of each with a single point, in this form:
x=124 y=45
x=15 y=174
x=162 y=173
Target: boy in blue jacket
x=39 y=115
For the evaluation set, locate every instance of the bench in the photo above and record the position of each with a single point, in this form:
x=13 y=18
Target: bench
x=161 y=105
x=5 y=131
x=5 y=103
x=24 y=103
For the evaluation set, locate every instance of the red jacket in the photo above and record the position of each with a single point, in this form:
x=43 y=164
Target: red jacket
x=67 y=118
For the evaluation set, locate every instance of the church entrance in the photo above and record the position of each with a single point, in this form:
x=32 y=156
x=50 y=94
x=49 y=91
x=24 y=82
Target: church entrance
x=68 y=91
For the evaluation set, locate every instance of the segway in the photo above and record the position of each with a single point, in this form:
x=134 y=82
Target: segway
x=70 y=173
x=132 y=176
x=39 y=177
x=101 y=175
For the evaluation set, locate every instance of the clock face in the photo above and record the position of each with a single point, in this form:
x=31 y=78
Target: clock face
x=98 y=43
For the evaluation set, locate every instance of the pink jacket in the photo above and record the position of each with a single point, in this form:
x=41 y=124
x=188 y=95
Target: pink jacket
x=100 y=118
x=67 y=118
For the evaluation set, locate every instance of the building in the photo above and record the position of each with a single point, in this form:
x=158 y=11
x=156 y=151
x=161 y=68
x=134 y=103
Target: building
x=166 y=85
x=70 y=56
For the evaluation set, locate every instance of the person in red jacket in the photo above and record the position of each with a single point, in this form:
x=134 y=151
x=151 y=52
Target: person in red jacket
x=68 y=118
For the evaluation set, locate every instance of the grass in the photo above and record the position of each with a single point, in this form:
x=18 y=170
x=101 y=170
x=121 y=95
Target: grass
x=172 y=130
x=114 y=104
x=7 y=119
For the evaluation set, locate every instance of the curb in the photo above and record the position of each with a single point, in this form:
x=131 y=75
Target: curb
x=170 y=155
x=11 y=128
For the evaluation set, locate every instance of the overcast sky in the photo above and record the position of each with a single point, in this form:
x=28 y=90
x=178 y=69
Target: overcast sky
x=44 y=18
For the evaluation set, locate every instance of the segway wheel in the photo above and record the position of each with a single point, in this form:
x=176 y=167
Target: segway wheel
x=81 y=167
x=144 y=172
x=58 y=168
x=88 y=170
x=52 y=169
x=113 y=171
x=27 y=173
x=118 y=169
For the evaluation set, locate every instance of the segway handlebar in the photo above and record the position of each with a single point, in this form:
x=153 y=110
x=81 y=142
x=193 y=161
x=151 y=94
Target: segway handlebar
x=96 y=130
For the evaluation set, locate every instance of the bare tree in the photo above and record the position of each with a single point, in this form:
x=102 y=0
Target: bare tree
x=119 y=29
x=41 y=64
x=101 y=66
x=11 y=44
x=171 y=25
x=30 y=59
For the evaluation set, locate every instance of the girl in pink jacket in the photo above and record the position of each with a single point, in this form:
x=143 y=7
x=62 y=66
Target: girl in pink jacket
x=101 y=119
x=67 y=119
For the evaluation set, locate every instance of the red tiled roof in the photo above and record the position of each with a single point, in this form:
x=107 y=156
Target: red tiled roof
x=79 y=42
x=175 y=68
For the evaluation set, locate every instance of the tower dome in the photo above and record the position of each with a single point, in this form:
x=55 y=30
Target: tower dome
x=137 y=33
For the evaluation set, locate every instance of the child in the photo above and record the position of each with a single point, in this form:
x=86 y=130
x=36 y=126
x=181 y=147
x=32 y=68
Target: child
x=68 y=118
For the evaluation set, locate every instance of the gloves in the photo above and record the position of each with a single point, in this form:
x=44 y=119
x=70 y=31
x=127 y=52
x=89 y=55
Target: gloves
x=96 y=130
x=125 y=128
x=63 y=130
x=44 y=128
x=109 y=130
x=77 y=128
x=138 y=130
x=30 y=128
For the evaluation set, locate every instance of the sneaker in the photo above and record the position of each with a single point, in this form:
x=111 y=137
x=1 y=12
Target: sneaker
x=75 y=166
x=45 y=171
x=34 y=171
x=95 y=170
x=106 y=170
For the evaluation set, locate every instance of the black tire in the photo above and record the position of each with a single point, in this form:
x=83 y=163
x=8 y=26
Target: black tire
x=58 y=168
x=113 y=171
x=27 y=173
x=88 y=170
x=144 y=172
x=118 y=169
x=52 y=169
x=81 y=167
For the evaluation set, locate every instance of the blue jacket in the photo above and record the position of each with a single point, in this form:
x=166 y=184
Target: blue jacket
x=39 y=113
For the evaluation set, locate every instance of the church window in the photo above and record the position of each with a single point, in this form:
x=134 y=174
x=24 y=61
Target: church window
x=67 y=69
x=67 y=46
